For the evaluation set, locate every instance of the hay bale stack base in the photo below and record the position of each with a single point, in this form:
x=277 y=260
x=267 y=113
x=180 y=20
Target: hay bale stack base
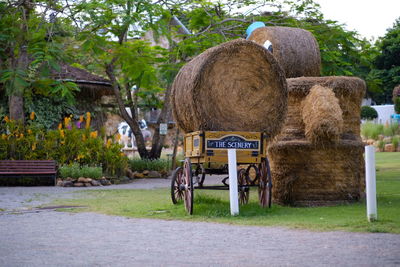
x=306 y=173
x=236 y=86
x=295 y=49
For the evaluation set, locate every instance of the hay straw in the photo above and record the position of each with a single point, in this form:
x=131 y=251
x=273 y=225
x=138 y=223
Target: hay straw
x=236 y=86
x=322 y=115
x=295 y=49
x=349 y=91
x=304 y=174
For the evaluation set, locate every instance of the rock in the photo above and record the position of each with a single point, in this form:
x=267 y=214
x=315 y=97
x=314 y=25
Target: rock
x=60 y=183
x=67 y=184
x=130 y=174
x=89 y=180
x=81 y=180
x=380 y=137
x=105 y=182
x=145 y=172
x=154 y=174
x=87 y=184
x=79 y=184
x=95 y=183
x=389 y=148
x=370 y=141
x=124 y=180
x=139 y=175
x=387 y=140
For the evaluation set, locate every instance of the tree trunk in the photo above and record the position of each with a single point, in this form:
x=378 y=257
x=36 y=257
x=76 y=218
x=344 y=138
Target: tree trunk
x=16 y=99
x=158 y=139
x=16 y=107
x=132 y=121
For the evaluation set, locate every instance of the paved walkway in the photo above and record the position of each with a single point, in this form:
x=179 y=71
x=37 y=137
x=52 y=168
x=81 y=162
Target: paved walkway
x=50 y=238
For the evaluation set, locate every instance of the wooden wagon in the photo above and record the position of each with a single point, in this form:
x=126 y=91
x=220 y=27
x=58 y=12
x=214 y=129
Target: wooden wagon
x=206 y=153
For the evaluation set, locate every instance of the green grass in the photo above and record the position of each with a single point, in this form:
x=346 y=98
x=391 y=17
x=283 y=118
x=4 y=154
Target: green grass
x=213 y=206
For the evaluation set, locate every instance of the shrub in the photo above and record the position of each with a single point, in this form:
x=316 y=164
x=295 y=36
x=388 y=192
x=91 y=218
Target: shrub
x=76 y=171
x=395 y=142
x=145 y=164
x=371 y=130
x=391 y=129
x=368 y=113
x=381 y=145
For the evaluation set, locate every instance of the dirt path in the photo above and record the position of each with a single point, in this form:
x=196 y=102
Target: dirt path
x=50 y=238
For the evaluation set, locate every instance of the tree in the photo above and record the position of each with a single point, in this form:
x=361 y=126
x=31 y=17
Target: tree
x=387 y=62
x=30 y=45
x=368 y=113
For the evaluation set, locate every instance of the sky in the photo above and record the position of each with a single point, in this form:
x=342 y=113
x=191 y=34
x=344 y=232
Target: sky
x=370 y=18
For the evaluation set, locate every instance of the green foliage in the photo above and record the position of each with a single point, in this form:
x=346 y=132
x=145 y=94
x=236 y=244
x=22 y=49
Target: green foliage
x=49 y=110
x=391 y=129
x=75 y=171
x=395 y=142
x=368 y=113
x=371 y=130
x=387 y=62
x=151 y=165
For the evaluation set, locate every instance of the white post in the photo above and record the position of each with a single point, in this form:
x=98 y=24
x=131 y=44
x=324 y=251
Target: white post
x=370 y=181
x=233 y=185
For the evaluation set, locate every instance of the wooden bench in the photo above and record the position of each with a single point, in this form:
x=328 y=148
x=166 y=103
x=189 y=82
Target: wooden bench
x=28 y=169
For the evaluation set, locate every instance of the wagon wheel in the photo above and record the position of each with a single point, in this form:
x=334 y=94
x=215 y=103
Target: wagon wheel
x=265 y=184
x=243 y=183
x=200 y=170
x=188 y=186
x=177 y=185
x=253 y=174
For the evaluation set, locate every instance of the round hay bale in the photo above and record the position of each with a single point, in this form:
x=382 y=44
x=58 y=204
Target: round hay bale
x=348 y=90
x=236 y=86
x=322 y=115
x=307 y=175
x=295 y=49
x=396 y=92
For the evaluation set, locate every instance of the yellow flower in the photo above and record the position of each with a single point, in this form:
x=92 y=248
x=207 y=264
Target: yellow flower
x=21 y=135
x=93 y=134
x=62 y=142
x=6 y=119
x=29 y=131
x=83 y=137
x=62 y=133
x=118 y=137
x=60 y=126
x=81 y=118
x=33 y=146
x=88 y=118
x=122 y=154
x=32 y=116
x=108 y=143
x=67 y=121
x=4 y=136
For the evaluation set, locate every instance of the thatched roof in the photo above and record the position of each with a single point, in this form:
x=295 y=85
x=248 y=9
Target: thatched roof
x=91 y=85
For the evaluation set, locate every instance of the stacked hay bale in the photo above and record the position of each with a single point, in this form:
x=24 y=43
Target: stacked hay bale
x=236 y=86
x=295 y=49
x=317 y=159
